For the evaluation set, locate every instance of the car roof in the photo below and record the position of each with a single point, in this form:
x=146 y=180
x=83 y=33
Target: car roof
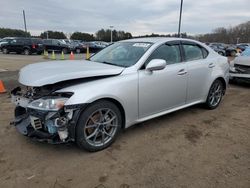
x=157 y=39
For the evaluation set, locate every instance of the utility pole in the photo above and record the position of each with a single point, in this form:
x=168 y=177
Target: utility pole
x=111 y=35
x=179 y=29
x=24 y=21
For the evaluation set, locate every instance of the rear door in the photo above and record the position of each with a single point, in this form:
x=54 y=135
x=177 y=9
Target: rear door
x=48 y=44
x=199 y=69
x=164 y=89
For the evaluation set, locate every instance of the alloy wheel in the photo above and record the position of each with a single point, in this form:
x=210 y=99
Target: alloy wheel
x=100 y=127
x=215 y=94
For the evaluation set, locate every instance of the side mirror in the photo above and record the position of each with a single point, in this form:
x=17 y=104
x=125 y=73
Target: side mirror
x=156 y=64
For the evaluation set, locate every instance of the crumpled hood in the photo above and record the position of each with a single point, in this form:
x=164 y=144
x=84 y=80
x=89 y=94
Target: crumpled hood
x=40 y=74
x=242 y=60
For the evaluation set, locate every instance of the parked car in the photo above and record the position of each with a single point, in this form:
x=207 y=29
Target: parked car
x=91 y=101
x=229 y=49
x=20 y=45
x=56 y=46
x=243 y=46
x=94 y=46
x=240 y=67
x=218 y=49
x=5 y=40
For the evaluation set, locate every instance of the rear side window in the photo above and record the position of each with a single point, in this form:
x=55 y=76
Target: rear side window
x=192 y=52
x=37 y=41
x=49 y=42
x=170 y=53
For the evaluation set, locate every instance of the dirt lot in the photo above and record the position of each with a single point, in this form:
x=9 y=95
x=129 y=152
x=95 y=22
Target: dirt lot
x=189 y=148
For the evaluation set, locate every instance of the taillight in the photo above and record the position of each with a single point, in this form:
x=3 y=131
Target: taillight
x=33 y=46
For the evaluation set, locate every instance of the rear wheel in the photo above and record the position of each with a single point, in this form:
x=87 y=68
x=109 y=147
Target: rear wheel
x=26 y=51
x=215 y=94
x=98 y=126
x=64 y=50
x=78 y=50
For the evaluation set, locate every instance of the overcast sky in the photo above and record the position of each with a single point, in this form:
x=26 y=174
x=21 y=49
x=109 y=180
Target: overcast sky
x=136 y=16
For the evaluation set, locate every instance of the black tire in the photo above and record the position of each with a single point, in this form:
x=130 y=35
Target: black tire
x=91 y=139
x=65 y=50
x=5 y=51
x=221 y=53
x=26 y=51
x=78 y=50
x=210 y=103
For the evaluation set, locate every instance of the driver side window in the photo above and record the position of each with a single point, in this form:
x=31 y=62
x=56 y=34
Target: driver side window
x=170 y=53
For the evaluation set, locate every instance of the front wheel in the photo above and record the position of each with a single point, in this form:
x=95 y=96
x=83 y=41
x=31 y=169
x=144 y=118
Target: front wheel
x=5 y=51
x=215 y=95
x=98 y=126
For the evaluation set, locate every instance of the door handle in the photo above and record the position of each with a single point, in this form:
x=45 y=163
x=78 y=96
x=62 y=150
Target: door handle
x=182 y=72
x=211 y=65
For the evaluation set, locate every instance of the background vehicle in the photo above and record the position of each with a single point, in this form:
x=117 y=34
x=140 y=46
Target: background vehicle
x=56 y=46
x=218 y=49
x=20 y=45
x=5 y=40
x=242 y=46
x=240 y=66
x=230 y=50
x=125 y=83
x=95 y=46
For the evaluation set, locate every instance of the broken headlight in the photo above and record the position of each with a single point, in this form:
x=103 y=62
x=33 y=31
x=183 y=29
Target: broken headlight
x=49 y=104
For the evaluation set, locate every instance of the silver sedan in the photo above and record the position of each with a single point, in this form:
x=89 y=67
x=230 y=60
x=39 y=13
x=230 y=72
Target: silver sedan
x=90 y=101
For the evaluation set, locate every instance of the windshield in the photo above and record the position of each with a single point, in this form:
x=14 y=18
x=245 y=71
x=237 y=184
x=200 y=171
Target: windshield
x=246 y=52
x=123 y=54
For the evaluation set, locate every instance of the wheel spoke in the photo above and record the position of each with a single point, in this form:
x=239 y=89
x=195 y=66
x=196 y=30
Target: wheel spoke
x=106 y=113
x=105 y=132
x=91 y=135
x=109 y=121
x=101 y=115
x=97 y=132
x=212 y=100
x=91 y=126
x=218 y=88
x=103 y=138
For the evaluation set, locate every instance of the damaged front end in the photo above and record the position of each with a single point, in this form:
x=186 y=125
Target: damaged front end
x=42 y=114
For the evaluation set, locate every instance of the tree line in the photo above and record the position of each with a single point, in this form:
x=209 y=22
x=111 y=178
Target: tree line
x=100 y=35
x=6 y=32
x=231 y=35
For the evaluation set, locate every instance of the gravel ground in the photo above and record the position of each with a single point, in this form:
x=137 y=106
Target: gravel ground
x=193 y=147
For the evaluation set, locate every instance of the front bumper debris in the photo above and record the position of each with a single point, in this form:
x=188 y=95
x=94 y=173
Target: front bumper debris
x=46 y=126
x=37 y=127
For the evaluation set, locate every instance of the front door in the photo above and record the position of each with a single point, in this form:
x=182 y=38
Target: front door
x=164 y=89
